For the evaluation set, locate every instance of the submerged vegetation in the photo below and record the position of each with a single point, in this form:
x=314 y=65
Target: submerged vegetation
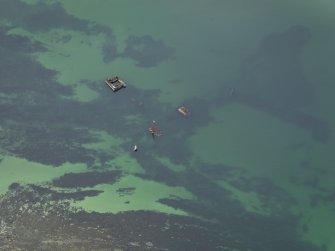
x=41 y=122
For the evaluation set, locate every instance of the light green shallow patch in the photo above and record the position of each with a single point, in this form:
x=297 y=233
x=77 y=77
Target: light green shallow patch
x=123 y=160
x=320 y=222
x=196 y=39
x=250 y=139
x=106 y=141
x=320 y=218
x=79 y=58
x=224 y=35
x=75 y=60
x=84 y=93
x=268 y=147
x=126 y=163
x=14 y=169
x=144 y=197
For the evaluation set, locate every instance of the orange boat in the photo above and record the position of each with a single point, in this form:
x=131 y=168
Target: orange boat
x=155 y=131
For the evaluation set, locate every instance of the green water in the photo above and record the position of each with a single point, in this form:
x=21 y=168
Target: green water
x=210 y=41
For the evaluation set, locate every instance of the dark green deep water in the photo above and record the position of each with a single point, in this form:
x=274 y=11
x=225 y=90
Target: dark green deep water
x=250 y=169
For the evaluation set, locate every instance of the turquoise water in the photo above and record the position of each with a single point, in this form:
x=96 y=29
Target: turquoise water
x=257 y=78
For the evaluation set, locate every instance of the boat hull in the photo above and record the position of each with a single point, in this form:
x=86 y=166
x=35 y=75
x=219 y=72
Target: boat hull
x=115 y=86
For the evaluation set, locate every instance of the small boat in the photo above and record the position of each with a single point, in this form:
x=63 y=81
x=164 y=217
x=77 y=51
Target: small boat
x=155 y=131
x=135 y=148
x=115 y=83
x=183 y=110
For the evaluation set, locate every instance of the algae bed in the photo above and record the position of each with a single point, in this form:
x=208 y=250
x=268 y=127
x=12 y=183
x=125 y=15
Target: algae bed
x=249 y=170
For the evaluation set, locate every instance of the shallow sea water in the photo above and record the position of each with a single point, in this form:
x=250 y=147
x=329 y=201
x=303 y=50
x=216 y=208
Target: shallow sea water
x=258 y=154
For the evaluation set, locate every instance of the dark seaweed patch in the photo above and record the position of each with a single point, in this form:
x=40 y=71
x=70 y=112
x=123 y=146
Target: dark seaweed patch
x=17 y=43
x=272 y=80
x=319 y=129
x=45 y=17
x=275 y=74
x=256 y=232
x=88 y=179
x=314 y=200
x=40 y=17
x=53 y=145
x=40 y=125
x=13 y=186
x=147 y=51
x=156 y=171
x=126 y=191
x=20 y=74
x=58 y=196
x=109 y=48
x=271 y=196
x=31 y=221
x=219 y=172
